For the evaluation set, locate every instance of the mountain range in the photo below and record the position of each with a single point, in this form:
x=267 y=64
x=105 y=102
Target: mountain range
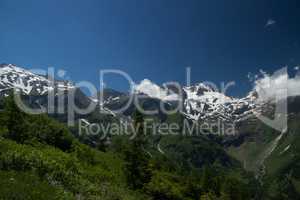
x=198 y=102
x=262 y=150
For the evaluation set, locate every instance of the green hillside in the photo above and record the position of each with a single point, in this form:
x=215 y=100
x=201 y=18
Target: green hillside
x=274 y=158
x=42 y=158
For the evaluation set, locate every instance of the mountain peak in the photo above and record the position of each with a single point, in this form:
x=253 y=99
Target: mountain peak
x=200 y=88
x=14 y=77
x=3 y=65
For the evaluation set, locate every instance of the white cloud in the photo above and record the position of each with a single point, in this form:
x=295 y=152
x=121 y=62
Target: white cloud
x=277 y=86
x=270 y=22
x=153 y=90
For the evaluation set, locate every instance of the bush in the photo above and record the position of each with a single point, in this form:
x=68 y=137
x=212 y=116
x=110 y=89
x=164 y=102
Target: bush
x=104 y=180
x=166 y=186
x=28 y=186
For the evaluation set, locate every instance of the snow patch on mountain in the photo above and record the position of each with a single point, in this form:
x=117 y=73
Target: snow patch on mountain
x=285 y=149
x=200 y=101
x=203 y=102
x=13 y=77
x=202 y=93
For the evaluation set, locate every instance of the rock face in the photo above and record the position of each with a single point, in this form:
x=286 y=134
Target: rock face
x=35 y=87
x=199 y=102
x=29 y=83
x=203 y=102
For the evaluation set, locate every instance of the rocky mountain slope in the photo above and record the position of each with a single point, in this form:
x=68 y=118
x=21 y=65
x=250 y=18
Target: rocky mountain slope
x=199 y=102
x=13 y=77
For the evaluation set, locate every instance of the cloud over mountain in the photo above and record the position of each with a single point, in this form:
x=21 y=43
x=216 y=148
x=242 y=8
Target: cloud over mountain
x=153 y=90
x=277 y=85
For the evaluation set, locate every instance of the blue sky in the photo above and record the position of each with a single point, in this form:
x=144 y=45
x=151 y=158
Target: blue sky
x=221 y=40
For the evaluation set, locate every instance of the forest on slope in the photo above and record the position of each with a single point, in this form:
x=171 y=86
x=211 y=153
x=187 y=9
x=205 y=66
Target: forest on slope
x=41 y=159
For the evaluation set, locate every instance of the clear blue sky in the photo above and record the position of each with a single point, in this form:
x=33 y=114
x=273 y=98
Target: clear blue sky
x=221 y=40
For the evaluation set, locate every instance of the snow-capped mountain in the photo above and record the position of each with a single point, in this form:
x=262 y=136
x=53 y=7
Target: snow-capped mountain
x=13 y=77
x=36 y=87
x=204 y=102
x=199 y=102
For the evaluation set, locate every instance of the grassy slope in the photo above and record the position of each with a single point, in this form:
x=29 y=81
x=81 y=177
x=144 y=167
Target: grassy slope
x=102 y=180
x=282 y=165
x=27 y=186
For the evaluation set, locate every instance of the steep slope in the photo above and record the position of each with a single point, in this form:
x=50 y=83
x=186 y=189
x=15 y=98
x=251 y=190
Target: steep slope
x=206 y=103
x=13 y=77
x=35 y=89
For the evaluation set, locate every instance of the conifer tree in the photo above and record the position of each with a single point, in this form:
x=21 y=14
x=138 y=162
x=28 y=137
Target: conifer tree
x=15 y=120
x=137 y=160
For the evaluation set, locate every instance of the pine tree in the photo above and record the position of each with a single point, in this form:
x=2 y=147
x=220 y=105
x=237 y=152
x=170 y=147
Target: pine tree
x=137 y=160
x=15 y=120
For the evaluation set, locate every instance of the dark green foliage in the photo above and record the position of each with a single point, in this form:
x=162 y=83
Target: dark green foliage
x=137 y=160
x=45 y=153
x=166 y=186
x=28 y=186
x=84 y=153
x=50 y=132
x=103 y=179
x=190 y=152
x=40 y=153
x=234 y=189
x=15 y=121
x=34 y=129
